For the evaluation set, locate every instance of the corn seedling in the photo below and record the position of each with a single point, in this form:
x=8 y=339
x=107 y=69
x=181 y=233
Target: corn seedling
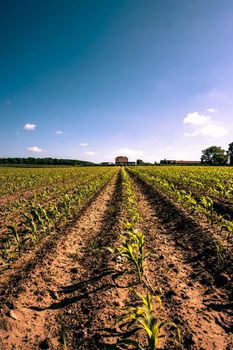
x=19 y=241
x=63 y=336
x=143 y=317
x=132 y=250
x=48 y=202
x=221 y=253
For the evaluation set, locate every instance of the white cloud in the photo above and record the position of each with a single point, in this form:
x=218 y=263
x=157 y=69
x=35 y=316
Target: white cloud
x=90 y=153
x=35 y=149
x=212 y=110
x=207 y=126
x=135 y=153
x=29 y=126
x=196 y=118
x=83 y=144
x=59 y=132
x=212 y=130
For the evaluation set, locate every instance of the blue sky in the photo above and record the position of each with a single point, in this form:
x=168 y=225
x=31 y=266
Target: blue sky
x=92 y=79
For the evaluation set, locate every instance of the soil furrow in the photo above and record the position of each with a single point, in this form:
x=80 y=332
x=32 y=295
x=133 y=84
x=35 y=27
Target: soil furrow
x=90 y=323
x=62 y=278
x=221 y=206
x=176 y=268
x=13 y=278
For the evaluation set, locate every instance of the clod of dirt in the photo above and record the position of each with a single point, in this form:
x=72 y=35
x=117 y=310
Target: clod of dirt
x=206 y=281
x=82 y=333
x=171 y=293
x=44 y=344
x=74 y=270
x=222 y=279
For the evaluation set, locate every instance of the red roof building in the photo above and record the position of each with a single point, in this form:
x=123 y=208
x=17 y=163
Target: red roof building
x=121 y=160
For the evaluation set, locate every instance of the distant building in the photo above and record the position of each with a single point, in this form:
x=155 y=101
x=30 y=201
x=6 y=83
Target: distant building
x=121 y=160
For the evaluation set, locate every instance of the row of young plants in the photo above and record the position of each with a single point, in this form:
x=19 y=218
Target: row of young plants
x=14 y=181
x=49 y=194
x=18 y=183
x=203 y=207
x=216 y=182
x=37 y=219
x=141 y=320
x=51 y=191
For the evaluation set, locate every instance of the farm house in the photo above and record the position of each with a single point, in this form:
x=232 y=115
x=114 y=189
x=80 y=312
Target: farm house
x=121 y=160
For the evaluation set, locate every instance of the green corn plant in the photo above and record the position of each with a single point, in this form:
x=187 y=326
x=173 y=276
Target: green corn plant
x=6 y=250
x=66 y=204
x=37 y=217
x=181 y=196
x=54 y=213
x=132 y=250
x=143 y=317
x=128 y=226
x=32 y=226
x=208 y=206
x=221 y=253
x=190 y=203
x=19 y=241
x=51 y=207
x=63 y=336
x=129 y=202
x=226 y=225
x=224 y=190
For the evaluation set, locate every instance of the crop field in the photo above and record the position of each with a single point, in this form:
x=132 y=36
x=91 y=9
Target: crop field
x=116 y=258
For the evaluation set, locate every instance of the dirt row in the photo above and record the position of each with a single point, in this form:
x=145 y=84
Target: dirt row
x=12 y=213
x=28 y=194
x=221 y=206
x=181 y=267
x=31 y=313
x=72 y=296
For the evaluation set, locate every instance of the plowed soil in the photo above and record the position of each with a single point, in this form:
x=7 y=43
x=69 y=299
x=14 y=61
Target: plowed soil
x=181 y=266
x=72 y=294
x=74 y=277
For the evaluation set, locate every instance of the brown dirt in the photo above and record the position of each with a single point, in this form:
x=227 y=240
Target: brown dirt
x=27 y=194
x=179 y=267
x=13 y=215
x=71 y=289
x=74 y=277
x=10 y=282
x=221 y=206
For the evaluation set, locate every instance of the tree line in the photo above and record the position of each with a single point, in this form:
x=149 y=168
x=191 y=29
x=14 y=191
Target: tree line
x=215 y=155
x=43 y=161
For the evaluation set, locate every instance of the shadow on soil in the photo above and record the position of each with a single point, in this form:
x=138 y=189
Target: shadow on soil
x=82 y=299
x=194 y=241
x=82 y=287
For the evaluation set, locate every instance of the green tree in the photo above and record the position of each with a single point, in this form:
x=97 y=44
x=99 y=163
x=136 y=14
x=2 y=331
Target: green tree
x=230 y=153
x=214 y=155
x=139 y=162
